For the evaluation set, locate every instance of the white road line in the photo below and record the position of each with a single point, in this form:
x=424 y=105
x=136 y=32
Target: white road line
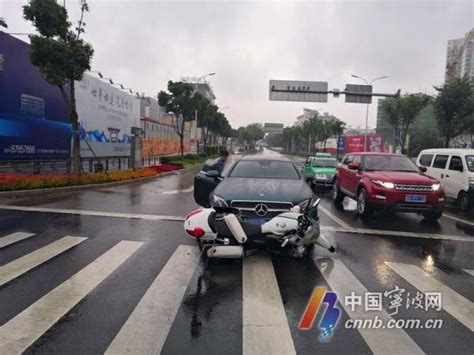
x=452 y=302
x=344 y=283
x=265 y=326
x=147 y=327
x=335 y=218
x=471 y=272
x=24 y=264
x=151 y=217
x=13 y=238
x=381 y=232
x=169 y=192
x=24 y=329
x=458 y=219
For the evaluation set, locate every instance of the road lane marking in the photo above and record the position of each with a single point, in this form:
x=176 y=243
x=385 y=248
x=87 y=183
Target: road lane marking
x=381 y=232
x=471 y=272
x=458 y=219
x=14 y=238
x=169 y=192
x=24 y=264
x=24 y=329
x=381 y=341
x=459 y=307
x=151 y=217
x=265 y=326
x=146 y=329
x=335 y=218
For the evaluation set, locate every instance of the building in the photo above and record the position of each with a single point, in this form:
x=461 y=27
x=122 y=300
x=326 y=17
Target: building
x=459 y=57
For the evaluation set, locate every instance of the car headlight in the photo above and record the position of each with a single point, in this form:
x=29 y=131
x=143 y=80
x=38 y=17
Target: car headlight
x=218 y=201
x=321 y=176
x=435 y=187
x=387 y=185
x=303 y=204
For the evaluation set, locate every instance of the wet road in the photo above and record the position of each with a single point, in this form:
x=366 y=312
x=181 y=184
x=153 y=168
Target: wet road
x=110 y=270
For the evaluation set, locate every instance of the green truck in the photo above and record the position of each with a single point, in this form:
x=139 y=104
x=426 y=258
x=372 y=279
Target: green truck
x=319 y=170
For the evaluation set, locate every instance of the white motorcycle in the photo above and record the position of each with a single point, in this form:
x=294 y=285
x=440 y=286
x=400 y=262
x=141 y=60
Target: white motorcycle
x=220 y=233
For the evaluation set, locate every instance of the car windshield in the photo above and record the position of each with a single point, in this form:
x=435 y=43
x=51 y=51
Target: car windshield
x=470 y=162
x=389 y=163
x=324 y=163
x=264 y=169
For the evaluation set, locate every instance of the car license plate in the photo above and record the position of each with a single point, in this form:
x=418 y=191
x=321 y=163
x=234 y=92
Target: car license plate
x=256 y=221
x=415 y=198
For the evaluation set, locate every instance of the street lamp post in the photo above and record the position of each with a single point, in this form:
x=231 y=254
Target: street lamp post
x=367 y=111
x=196 y=111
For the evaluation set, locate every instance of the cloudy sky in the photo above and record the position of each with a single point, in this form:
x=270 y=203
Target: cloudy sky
x=145 y=43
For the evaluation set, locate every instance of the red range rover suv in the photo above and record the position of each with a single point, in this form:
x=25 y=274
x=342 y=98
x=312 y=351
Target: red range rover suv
x=390 y=181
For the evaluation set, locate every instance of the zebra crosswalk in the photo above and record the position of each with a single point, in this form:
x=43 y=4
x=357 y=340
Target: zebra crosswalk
x=268 y=325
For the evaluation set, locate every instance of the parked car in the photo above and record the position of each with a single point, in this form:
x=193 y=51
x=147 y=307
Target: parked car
x=320 y=169
x=259 y=186
x=455 y=169
x=387 y=181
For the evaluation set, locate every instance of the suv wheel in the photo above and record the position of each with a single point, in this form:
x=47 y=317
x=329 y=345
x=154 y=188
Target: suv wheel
x=337 y=194
x=464 y=202
x=363 y=208
x=434 y=214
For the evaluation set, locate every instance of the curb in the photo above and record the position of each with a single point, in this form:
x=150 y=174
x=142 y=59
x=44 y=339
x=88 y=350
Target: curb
x=37 y=192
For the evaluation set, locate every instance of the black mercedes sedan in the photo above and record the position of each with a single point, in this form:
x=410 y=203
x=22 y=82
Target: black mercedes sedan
x=259 y=186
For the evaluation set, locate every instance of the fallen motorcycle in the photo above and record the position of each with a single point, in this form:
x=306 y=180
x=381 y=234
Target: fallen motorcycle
x=222 y=234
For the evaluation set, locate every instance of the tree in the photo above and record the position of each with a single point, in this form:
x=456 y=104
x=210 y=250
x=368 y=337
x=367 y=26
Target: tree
x=401 y=113
x=454 y=108
x=181 y=102
x=61 y=55
x=3 y=23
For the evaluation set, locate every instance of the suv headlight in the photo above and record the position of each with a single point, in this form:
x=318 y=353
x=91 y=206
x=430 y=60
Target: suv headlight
x=321 y=176
x=218 y=201
x=387 y=185
x=303 y=204
x=435 y=187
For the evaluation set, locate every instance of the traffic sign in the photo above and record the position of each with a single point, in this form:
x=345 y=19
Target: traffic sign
x=358 y=94
x=294 y=90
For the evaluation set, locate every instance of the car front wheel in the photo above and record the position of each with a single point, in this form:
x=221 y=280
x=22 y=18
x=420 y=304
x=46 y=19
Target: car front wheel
x=464 y=202
x=434 y=214
x=337 y=194
x=363 y=208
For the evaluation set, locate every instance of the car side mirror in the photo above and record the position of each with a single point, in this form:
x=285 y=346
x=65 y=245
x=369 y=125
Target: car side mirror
x=353 y=166
x=422 y=168
x=212 y=173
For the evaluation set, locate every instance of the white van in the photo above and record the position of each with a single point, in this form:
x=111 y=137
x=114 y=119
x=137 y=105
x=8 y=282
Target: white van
x=454 y=168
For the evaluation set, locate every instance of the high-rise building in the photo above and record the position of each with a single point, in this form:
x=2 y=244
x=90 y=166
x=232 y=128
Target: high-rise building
x=460 y=57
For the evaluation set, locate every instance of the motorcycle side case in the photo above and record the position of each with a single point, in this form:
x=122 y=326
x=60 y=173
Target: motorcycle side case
x=200 y=219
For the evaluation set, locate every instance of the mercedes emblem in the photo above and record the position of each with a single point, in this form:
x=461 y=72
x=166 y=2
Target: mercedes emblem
x=261 y=210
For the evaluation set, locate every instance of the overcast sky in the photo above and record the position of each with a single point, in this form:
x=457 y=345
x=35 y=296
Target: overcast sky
x=143 y=44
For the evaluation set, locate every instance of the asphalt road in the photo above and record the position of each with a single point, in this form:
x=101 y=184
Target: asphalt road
x=110 y=270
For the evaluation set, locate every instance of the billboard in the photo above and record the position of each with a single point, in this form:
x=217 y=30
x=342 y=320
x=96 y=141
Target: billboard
x=106 y=115
x=354 y=144
x=294 y=90
x=34 y=118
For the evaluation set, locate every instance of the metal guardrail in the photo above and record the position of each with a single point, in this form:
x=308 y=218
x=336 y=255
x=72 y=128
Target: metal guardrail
x=89 y=165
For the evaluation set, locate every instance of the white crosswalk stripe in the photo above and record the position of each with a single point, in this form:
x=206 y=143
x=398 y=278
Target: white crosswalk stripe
x=146 y=329
x=14 y=238
x=24 y=264
x=25 y=328
x=380 y=341
x=471 y=272
x=266 y=329
x=453 y=303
